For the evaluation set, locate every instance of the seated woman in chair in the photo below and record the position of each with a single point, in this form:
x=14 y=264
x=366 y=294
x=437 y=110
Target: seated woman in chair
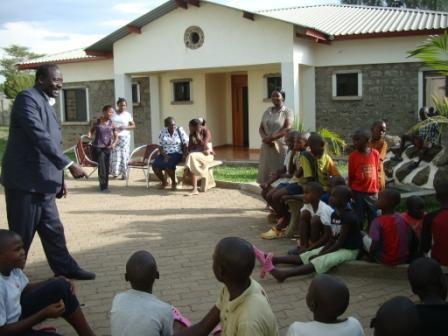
x=172 y=141
x=200 y=152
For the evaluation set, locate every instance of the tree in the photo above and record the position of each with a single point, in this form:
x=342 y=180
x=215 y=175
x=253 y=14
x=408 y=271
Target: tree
x=16 y=81
x=439 y=5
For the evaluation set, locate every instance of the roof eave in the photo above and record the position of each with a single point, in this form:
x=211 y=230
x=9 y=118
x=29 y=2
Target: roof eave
x=389 y=34
x=35 y=65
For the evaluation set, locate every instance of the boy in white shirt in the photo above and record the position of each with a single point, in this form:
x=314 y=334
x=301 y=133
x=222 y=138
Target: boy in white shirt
x=328 y=298
x=137 y=312
x=23 y=304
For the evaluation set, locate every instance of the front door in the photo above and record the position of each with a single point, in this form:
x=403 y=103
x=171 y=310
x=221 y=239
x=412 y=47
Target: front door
x=240 y=111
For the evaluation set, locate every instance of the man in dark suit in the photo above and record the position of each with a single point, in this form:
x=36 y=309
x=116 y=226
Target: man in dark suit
x=32 y=172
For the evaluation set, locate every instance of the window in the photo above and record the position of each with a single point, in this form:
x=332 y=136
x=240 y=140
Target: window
x=435 y=85
x=135 y=93
x=273 y=81
x=75 y=105
x=181 y=91
x=347 y=85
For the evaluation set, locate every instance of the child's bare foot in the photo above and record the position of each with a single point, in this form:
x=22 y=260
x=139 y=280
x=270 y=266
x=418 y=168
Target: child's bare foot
x=279 y=275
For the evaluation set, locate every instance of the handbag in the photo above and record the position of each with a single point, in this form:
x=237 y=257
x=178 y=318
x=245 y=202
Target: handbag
x=183 y=146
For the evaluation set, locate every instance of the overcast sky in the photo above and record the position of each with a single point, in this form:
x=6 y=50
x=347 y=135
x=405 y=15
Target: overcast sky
x=54 y=26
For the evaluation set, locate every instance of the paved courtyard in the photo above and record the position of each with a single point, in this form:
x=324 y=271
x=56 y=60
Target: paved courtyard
x=104 y=230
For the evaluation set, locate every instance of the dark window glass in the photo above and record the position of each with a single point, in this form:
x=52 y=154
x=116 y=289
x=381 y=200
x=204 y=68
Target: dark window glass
x=135 y=93
x=273 y=83
x=75 y=105
x=347 y=84
x=181 y=91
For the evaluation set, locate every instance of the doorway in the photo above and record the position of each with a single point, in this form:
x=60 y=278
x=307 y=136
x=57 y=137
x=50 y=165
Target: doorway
x=240 y=111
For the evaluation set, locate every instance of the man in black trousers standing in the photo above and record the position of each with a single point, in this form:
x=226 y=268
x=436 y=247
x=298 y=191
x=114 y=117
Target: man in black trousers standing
x=32 y=172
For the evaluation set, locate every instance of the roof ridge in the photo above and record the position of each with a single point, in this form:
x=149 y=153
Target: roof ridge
x=403 y=9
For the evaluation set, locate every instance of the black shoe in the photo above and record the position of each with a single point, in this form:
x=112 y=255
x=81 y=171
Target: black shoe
x=294 y=251
x=80 y=274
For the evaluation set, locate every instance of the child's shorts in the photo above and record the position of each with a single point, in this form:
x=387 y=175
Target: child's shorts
x=292 y=188
x=324 y=263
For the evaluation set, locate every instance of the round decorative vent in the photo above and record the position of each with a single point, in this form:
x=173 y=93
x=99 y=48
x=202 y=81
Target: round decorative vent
x=194 y=37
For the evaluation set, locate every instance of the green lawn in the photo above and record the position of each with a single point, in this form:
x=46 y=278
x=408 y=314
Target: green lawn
x=235 y=173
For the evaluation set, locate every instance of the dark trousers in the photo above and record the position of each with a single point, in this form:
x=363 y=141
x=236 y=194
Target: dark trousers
x=365 y=206
x=30 y=212
x=102 y=156
x=48 y=293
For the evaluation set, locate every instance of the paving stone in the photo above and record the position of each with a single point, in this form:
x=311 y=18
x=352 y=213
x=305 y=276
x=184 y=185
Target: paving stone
x=104 y=230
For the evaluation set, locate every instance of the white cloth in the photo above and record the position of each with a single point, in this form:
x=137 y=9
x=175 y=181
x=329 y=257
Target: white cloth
x=137 y=313
x=173 y=143
x=324 y=211
x=349 y=327
x=11 y=288
x=122 y=120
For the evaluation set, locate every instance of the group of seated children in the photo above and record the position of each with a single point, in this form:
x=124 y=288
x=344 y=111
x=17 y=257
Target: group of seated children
x=331 y=234
x=242 y=307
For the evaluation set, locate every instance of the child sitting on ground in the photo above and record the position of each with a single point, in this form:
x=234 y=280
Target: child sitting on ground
x=363 y=170
x=435 y=226
x=389 y=236
x=343 y=246
x=414 y=215
x=316 y=166
x=378 y=142
x=327 y=298
x=429 y=283
x=314 y=220
x=23 y=305
x=242 y=306
x=396 y=317
x=293 y=187
x=281 y=176
x=137 y=312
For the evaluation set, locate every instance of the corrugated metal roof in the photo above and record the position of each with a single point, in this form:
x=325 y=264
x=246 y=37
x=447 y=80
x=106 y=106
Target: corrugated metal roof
x=334 y=20
x=339 y=20
x=75 y=55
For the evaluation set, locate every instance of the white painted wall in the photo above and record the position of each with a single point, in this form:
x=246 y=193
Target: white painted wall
x=307 y=112
x=216 y=106
x=182 y=113
x=87 y=71
x=370 y=51
x=257 y=101
x=230 y=40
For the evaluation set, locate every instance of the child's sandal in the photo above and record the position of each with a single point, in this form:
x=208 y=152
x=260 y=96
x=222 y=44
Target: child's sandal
x=268 y=266
x=180 y=318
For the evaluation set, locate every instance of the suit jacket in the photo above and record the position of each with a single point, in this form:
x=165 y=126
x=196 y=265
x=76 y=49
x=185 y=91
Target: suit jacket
x=34 y=158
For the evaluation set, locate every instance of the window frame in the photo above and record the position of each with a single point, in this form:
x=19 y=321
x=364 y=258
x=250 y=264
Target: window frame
x=334 y=85
x=266 y=86
x=435 y=74
x=173 y=98
x=138 y=102
x=62 y=106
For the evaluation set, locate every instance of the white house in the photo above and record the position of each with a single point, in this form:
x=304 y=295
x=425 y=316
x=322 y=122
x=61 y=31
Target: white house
x=341 y=66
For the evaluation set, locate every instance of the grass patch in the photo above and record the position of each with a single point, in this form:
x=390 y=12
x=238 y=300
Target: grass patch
x=235 y=173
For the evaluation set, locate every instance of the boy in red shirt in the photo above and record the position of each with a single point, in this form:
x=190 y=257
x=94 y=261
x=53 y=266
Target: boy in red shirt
x=389 y=235
x=435 y=227
x=363 y=176
x=414 y=215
